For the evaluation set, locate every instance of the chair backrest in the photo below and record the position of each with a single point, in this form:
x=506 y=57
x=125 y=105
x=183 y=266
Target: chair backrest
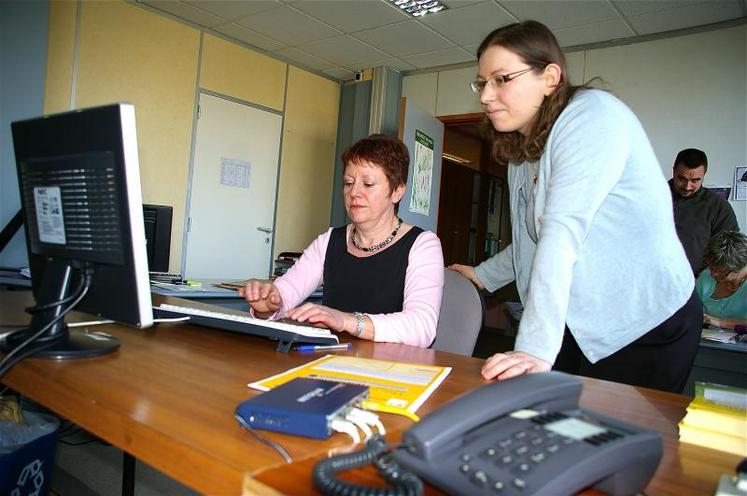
x=462 y=315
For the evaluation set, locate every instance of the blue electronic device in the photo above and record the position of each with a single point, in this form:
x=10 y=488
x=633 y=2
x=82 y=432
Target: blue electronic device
x=304 y=407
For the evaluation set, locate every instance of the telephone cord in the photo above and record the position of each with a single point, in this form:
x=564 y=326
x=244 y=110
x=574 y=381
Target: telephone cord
x=403 y=483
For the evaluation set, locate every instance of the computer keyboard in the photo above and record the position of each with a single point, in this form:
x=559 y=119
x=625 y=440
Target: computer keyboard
x=284 y=332
x=165 y=277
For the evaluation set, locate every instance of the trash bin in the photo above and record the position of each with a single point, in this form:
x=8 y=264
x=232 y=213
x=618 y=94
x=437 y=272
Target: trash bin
x=27 y=454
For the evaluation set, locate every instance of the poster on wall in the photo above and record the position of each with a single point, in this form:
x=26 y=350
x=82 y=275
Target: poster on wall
x=740 y=183
x=420 y=199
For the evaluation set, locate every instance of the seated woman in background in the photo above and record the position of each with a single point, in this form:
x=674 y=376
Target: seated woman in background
x=383 y=279
x=722 y=287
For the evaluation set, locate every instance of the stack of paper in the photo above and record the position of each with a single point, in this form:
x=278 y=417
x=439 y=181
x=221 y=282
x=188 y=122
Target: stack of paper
x=717 y=418
x=394 y=387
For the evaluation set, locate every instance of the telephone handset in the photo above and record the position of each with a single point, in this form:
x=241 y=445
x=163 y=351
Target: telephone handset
x=527 y=435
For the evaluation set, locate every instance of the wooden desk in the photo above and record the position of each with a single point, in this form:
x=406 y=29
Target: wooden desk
x=168 y=394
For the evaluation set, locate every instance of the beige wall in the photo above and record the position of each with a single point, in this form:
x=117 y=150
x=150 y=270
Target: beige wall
x=128 y=53
x=232 y=70
x=308 y=160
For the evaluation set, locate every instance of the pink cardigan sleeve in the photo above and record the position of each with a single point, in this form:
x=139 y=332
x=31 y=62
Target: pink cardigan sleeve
x=424 y=280
x=424 y=283
x=304 y=276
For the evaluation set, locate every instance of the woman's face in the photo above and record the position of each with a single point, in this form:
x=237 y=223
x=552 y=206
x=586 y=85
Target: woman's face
x=367 y=193
x=512 y=106
x=724 y=275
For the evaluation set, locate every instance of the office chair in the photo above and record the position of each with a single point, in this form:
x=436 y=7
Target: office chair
x=462 y=315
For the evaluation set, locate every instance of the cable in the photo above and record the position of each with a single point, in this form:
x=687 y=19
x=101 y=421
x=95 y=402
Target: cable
x=403 y=482
x=48 y=306
x=19 y=352
x=264 y=440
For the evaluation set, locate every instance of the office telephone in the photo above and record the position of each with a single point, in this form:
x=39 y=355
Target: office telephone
x=521 y=436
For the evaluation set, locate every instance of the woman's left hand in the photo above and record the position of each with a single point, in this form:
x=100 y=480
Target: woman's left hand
x=322 y=316
x=512 y=364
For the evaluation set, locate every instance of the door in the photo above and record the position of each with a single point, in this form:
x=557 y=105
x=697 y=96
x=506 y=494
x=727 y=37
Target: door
x=232 y=196
x=456 y=212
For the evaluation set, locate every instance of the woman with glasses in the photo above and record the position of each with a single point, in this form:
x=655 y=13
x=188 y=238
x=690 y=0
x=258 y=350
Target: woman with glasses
x=722 y=286
x=606 y=286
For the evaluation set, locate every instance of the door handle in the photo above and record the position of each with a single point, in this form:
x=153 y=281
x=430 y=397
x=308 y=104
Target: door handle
x=264 y=229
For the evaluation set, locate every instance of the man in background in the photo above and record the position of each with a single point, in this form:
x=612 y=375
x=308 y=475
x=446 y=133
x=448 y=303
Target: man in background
x=698 y=212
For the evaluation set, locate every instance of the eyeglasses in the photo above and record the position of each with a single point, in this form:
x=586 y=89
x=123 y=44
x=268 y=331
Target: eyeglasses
x=496 y=82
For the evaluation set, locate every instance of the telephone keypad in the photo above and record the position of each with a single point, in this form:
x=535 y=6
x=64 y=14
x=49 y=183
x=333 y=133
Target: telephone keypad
x=507 y=463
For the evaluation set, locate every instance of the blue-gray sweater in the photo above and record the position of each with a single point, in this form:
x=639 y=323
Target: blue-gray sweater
x=607 y=261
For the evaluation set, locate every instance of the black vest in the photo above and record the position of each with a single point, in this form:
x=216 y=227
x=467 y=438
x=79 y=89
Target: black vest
x=374 y=284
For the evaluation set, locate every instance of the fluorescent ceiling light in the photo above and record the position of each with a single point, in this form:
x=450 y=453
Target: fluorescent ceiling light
x=419 y=8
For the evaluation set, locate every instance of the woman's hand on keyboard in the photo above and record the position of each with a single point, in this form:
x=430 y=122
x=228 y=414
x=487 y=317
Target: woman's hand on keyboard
x=323 y=316
x=262 y=296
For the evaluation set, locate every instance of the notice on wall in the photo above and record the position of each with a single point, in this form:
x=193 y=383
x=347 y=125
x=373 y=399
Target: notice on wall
x=740 y=183
x=235 y=172
x=420 y=199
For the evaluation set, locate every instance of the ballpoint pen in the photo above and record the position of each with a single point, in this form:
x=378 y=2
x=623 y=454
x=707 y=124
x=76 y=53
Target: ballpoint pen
x=323 y=347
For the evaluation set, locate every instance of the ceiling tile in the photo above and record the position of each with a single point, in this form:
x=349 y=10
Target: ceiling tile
x=186 y=11
x=404 y=38
x=288 y=26
x=557 y=15
x=352 y=15
x=441 y=57
x=248 y=36
x=344 y=50
x=231 y=9
x=637 y=7
x=593 y=33
x=339 y=73
x=303 y=58
x=470 y=24
x=398 y=64
x=686 y=16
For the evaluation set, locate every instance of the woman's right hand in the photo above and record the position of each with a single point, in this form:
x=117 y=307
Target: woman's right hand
x=263 y=296
x=469 y=272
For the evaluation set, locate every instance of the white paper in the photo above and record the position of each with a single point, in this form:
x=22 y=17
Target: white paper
x=740 y=183
x=235 y=172
x=49 y=219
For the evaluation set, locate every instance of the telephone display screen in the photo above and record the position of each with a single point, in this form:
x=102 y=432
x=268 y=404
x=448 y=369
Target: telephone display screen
x=575 y=428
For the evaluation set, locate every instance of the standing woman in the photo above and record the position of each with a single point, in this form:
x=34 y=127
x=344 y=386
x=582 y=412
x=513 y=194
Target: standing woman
x=605 y=283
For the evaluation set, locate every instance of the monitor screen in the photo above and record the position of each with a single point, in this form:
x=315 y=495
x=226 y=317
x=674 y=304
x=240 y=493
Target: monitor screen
x=79 y=181
x=157 y=220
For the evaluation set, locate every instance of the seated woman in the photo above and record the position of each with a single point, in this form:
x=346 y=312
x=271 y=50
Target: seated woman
x=383 y=279
x=721 y=285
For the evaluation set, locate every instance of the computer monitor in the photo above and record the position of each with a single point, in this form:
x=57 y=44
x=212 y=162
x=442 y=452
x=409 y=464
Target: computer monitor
x=79 y=181
x=158 y=235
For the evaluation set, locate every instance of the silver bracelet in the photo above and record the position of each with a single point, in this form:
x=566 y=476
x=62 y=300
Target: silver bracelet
x=361 y=325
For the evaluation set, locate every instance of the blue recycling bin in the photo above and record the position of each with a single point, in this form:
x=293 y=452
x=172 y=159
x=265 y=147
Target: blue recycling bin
x=26 y=469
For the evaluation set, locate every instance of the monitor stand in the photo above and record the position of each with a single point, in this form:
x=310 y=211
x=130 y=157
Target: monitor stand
x=61 y=343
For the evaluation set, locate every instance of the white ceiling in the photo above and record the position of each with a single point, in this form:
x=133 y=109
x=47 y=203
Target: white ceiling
x=339 y=37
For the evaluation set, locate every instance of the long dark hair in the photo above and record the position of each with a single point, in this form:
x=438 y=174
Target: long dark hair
x=537 y=46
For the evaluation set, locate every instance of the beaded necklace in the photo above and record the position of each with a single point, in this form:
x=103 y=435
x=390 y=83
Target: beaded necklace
x=378 y=246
